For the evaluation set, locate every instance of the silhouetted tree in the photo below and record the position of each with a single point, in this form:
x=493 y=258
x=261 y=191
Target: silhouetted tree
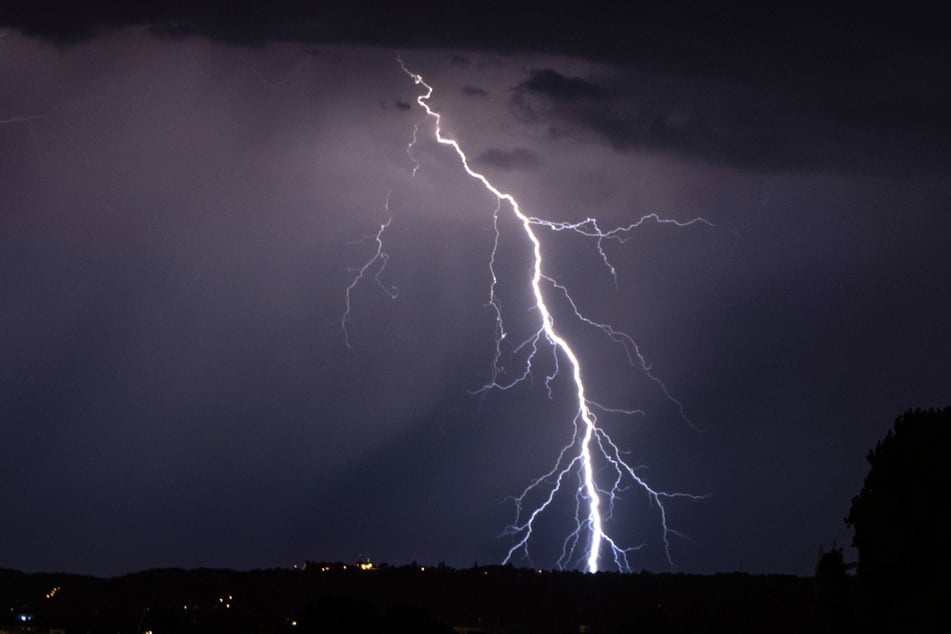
x=902 y=522
x=833 y=596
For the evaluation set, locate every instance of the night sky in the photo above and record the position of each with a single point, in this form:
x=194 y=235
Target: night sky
x=185 y=192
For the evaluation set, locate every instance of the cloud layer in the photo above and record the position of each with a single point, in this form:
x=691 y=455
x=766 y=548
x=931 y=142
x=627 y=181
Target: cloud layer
x=769 y=88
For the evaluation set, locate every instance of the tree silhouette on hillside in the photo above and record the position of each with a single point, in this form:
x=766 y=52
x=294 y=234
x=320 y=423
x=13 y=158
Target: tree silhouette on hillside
x=902 y=523
x=833 y=590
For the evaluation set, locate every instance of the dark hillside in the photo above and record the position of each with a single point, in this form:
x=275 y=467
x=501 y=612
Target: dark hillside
x=336 y=597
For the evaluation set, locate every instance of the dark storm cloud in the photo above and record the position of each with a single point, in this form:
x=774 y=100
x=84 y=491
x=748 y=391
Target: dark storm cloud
x=558 y=88
x=783 y=89
x=760 y=127
x=664 y=116
x=517 y=159
x=741 y=41
x=730 y=39
x=474 y=91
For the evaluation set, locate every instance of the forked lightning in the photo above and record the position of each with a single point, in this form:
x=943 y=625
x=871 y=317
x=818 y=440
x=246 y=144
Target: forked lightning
x=576 y=471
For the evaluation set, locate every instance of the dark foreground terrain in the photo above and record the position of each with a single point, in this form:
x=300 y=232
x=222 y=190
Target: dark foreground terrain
x=321 y=597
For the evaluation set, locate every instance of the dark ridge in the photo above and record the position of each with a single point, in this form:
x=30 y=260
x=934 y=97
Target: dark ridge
x=321 y=596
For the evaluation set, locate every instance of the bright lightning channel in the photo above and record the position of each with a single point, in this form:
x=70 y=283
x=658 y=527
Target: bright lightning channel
x=594 y=501
x=378 y=261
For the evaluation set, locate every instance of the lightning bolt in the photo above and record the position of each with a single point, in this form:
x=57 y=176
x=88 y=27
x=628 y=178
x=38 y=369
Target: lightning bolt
x=590 y=447
x=378 y=260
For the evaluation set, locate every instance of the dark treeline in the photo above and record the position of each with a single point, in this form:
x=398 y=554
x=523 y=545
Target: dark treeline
x=335 y=597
